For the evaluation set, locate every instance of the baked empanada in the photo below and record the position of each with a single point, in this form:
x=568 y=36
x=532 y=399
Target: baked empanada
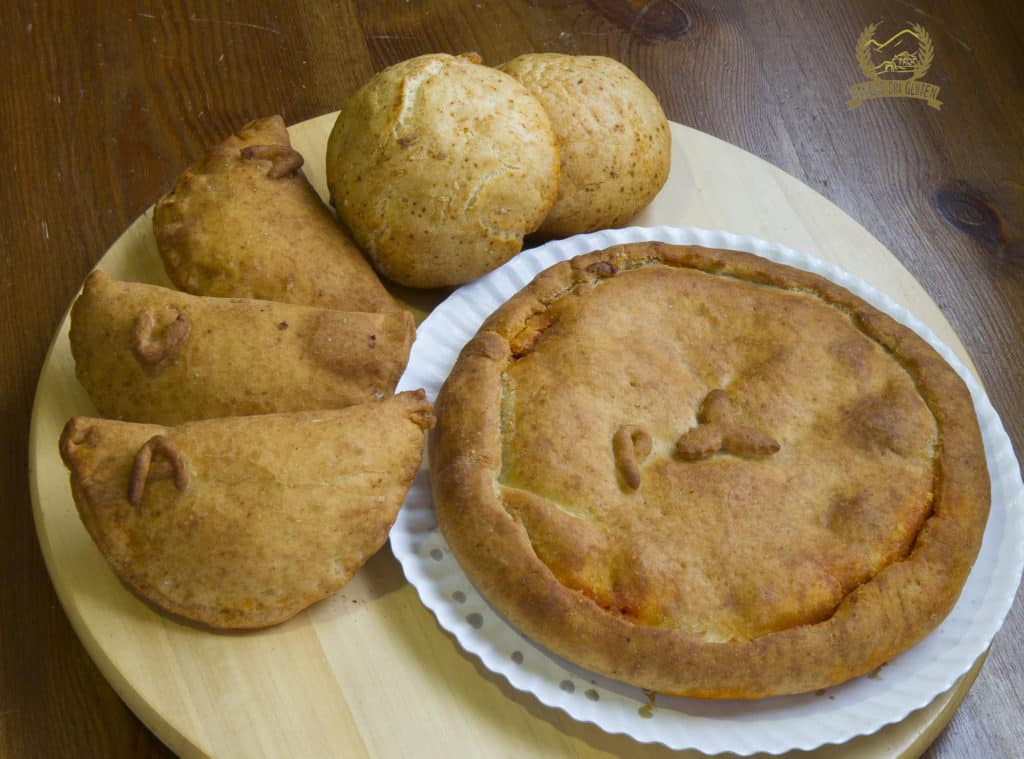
x=242 y=522
x=149 y=354
x=245 y=223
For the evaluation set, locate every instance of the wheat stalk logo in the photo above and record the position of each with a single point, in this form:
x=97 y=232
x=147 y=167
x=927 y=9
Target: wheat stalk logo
x=925 y=52
x=899 y=74
x=864 y=51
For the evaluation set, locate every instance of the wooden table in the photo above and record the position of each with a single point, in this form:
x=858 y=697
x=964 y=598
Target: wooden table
x=104 y=104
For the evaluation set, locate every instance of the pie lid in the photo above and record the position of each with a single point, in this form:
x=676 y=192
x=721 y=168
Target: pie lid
x=772 y=725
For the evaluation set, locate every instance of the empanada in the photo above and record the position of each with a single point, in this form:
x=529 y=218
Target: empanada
x=245 y=223
x=149 y=354
x=242 y=522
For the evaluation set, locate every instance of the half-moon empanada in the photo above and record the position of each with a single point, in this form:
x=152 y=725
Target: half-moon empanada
x=245 y=223
x=149 y=354
x=242 y=522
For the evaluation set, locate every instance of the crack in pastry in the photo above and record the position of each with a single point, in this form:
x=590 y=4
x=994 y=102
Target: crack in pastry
x=410 y=88
x=483 y=182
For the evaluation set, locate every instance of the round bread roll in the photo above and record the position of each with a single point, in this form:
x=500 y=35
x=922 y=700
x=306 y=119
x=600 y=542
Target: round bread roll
x=612 y=135
x=439 y=166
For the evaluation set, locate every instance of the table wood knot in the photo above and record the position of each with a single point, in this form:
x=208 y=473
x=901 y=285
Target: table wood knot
x=966 y=208
x=650 y=21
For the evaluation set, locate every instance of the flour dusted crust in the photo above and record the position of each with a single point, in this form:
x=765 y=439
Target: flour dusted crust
x=439 y=166
x=708 y=474
x=242 y=522
x=245 y=223
x=613 y=138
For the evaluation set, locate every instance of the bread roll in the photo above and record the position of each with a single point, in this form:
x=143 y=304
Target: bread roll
x=612 y=135
x=439 y=166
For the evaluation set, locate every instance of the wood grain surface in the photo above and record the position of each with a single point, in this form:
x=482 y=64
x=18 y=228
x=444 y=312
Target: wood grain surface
x=103 y=104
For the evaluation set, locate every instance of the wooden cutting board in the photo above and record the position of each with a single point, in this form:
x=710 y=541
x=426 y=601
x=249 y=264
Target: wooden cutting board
x=369 y=672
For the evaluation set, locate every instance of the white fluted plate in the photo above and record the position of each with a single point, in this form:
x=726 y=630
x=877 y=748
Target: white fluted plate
x=772 y=725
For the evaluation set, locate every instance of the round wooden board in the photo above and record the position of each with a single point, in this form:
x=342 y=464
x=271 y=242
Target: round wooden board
x=368 y=672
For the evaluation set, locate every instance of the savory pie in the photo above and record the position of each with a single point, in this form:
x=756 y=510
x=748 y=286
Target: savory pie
x=707 y=474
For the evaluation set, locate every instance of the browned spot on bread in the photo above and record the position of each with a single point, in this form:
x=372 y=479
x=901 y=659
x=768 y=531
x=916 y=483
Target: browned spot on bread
x=891 y=419
x=602 y=269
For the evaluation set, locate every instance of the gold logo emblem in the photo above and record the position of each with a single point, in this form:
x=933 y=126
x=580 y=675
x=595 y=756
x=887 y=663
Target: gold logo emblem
x=894 y=67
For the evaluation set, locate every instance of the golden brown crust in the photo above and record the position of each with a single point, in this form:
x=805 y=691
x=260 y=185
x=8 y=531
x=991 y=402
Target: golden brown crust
x=742 y=574
x=613 y=138
x=439 y=166
x=245 y=223
x=149 y=354
x=242 y=522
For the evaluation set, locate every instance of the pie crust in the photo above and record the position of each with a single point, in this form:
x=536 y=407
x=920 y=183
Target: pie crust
x=707 y=474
